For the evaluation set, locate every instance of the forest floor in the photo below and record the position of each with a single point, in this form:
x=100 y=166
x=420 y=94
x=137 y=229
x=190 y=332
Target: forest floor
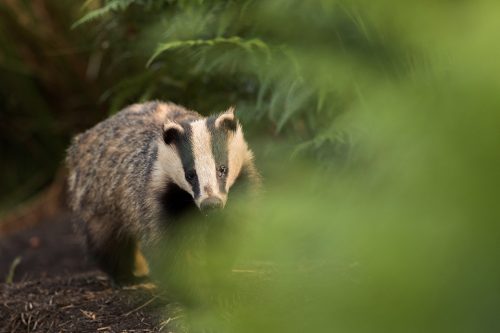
x=48 y=285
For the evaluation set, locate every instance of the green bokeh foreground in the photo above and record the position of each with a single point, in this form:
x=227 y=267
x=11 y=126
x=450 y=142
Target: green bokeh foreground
x=405 y=242
x=406 y=237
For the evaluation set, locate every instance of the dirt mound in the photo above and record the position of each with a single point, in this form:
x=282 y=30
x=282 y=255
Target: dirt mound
x=81 y=303
x=56 y=289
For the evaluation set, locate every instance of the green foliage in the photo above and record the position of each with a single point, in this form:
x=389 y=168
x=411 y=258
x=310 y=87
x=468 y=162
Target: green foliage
x=256 y=65
x=110 y=6
x=247 y=45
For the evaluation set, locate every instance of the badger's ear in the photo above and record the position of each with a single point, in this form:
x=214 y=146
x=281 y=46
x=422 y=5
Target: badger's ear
x=171 y=132
x=227 y=120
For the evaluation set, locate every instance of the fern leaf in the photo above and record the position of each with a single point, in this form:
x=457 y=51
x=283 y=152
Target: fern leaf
x=248 y=45
x=98 y=13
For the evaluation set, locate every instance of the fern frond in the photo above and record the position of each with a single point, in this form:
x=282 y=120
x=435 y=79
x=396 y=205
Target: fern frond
x=247 y=45
x=112 y=5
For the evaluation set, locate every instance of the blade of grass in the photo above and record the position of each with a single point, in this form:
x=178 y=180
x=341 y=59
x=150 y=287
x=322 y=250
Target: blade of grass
x=12 y=270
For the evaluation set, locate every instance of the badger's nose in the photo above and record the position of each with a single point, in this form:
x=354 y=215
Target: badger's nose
x=210 y=204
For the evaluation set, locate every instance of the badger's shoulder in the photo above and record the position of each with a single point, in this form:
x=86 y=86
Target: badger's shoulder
x=117 y=155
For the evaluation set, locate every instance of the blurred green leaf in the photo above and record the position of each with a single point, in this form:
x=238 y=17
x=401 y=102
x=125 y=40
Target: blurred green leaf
x=236 y=41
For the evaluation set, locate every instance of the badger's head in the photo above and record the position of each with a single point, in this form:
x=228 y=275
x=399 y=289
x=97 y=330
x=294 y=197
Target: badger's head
x=204 y=157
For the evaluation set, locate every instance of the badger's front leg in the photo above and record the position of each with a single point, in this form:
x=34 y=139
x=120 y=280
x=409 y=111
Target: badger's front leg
x=141 y=267
x=116 y=251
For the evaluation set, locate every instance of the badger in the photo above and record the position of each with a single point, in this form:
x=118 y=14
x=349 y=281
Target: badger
x=141 y=170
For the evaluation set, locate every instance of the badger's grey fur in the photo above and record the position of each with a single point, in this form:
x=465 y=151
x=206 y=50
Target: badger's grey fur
x=136 y=172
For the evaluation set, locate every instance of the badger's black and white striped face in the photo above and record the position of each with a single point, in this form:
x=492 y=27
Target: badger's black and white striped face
x=204 y=157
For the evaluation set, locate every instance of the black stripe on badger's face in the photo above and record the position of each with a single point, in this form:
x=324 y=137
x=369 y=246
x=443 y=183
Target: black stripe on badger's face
x=219 y=143
x=185 y=151
x=205 y=162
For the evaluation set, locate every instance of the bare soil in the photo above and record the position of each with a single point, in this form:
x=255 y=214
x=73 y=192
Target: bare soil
x=55 y=288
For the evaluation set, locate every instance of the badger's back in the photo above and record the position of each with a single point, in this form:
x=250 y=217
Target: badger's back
x=110 y=165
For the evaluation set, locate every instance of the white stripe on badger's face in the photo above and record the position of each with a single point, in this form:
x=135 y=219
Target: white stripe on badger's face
x=169 y=165
x=204 y=162
x=237 y=153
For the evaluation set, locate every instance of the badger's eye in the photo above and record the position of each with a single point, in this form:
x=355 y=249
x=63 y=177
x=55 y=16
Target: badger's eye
x=221 y=171
x=190 y=175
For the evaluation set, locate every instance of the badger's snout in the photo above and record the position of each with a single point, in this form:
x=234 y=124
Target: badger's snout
x=211 y=204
